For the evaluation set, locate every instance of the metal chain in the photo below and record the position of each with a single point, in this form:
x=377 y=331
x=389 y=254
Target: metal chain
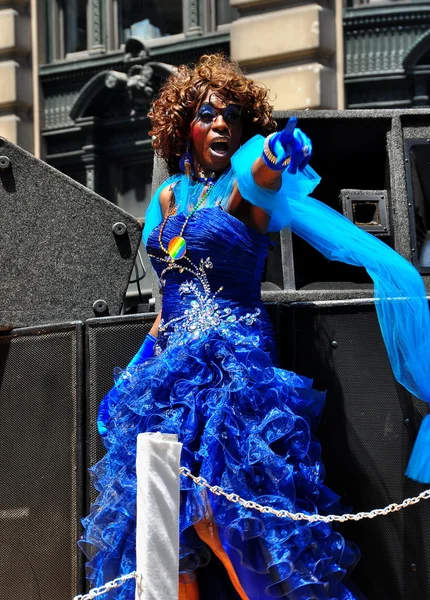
x=107 y=587
x=282 y=514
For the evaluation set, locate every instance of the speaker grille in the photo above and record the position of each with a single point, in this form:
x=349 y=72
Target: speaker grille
x=111 y=342
x=366 y=432
x=40 y=462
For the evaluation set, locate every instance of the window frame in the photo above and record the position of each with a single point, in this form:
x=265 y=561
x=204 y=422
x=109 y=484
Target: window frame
x=103 y=27
x=56 y=34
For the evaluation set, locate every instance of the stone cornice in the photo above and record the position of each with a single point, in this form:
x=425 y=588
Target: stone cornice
x=247 y=6
x=389 y=15
x=20 y=55
x=191 y=43
x=15 y=107
x=72 y=69
x=372 y=78
x=65 y=70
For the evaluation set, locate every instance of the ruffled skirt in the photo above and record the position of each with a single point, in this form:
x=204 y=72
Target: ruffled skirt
x=246 y=426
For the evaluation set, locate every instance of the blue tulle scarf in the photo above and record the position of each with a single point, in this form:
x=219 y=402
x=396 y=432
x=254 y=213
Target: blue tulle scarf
x=400 y=296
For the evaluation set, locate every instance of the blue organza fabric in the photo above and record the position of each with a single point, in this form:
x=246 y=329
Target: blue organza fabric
x=245 y=425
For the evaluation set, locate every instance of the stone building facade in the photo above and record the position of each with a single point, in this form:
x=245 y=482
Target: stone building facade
x=310 y=54
x=77 y=76
x=51 y=49
x=16 y=74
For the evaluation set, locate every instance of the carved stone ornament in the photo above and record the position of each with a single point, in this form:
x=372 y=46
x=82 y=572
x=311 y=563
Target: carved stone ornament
x=137 y=83
x=114 y=93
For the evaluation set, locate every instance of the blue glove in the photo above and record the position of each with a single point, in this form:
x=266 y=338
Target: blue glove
x=290 y=142
x=145 y=351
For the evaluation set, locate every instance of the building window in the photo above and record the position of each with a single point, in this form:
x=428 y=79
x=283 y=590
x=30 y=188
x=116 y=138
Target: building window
x=67 y=27
x=149 y=19
x=211 y=14
x=75 y=25
x=225 y=13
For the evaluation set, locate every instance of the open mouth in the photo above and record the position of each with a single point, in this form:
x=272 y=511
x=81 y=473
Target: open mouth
x=220 y=147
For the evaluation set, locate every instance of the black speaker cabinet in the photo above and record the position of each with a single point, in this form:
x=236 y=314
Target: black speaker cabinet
x=374 y=169
x=110 y=342
x=367 y=431
x=65 y=253
x=41 y=462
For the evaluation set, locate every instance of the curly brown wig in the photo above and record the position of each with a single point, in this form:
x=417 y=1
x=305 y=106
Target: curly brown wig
x=175 y=107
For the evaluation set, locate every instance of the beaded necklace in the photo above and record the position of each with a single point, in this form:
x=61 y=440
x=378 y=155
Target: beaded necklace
x=172 y=255
x=177 y=247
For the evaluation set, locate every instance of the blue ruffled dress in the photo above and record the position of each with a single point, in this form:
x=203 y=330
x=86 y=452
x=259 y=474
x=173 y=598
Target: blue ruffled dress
x=245 y=424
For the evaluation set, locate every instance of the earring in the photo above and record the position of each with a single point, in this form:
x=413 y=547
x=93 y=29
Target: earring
x=186 y=161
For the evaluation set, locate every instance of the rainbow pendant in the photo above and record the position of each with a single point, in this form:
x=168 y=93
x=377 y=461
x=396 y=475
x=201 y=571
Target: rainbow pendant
x=177 y=247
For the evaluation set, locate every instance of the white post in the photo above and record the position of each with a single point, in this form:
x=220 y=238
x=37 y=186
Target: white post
x=157 y=521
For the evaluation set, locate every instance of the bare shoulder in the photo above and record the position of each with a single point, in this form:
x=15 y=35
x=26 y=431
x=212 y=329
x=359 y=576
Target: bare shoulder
x=166 y=197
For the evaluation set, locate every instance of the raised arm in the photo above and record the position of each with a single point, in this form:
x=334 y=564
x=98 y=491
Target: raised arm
x=288 y=149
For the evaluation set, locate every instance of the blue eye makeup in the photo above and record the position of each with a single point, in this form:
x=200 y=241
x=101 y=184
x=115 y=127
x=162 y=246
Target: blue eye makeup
x=208 y=113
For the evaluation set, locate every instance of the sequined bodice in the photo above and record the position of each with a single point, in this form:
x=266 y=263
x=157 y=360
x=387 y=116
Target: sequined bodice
x=232 y=256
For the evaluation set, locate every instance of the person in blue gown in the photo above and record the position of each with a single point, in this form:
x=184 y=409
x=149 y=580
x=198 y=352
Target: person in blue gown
x=208 y=371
